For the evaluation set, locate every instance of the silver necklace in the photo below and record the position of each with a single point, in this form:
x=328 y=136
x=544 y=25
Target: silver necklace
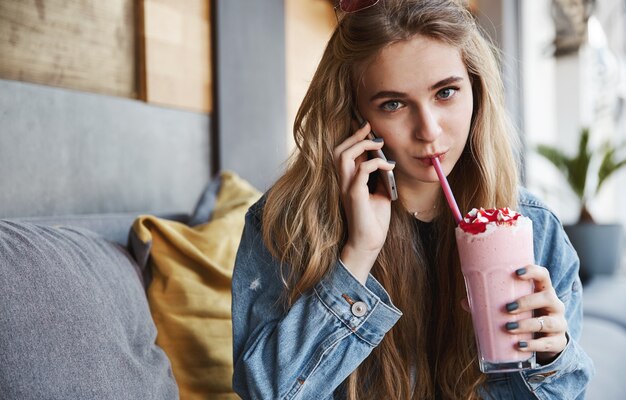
x=416 y=214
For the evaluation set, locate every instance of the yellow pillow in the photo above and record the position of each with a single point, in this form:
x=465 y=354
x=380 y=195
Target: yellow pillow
x=190 y=291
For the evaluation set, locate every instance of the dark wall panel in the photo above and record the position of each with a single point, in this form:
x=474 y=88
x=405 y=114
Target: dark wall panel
x=251 y=90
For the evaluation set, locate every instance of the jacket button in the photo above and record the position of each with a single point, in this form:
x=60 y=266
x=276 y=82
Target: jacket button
x=359 y=309
x=536 y=379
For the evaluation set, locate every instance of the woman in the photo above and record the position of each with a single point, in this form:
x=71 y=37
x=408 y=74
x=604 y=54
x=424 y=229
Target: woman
x=337 y=290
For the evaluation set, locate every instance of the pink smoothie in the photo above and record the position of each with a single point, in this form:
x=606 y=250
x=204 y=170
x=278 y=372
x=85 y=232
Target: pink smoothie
x=489 y=260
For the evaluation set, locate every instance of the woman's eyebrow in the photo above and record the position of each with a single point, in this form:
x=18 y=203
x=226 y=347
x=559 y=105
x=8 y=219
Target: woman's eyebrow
x=445 y=82
x=386 y=94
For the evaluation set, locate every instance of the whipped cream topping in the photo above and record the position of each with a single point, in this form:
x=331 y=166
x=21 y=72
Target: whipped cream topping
x=477 y=220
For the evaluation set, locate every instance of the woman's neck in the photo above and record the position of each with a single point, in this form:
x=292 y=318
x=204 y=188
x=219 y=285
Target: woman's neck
x=420 y=198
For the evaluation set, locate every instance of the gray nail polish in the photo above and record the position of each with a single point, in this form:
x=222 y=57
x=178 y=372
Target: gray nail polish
x=512 y=306
x=522 y=344
x=521 y=271
x=512 y=325
x=378 y=140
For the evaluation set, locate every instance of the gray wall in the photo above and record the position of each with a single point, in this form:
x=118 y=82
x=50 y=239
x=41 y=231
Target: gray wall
x=250 y=105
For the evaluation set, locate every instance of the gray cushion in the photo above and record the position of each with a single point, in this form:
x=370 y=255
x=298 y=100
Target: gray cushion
x=203 y=211
x=74 y=319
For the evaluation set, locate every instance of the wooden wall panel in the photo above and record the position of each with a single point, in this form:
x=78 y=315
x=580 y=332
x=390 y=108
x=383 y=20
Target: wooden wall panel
x=86 y=45
x=175 y=55
x=308 y=25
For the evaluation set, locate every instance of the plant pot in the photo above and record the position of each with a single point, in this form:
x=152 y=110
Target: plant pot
x=599 y=247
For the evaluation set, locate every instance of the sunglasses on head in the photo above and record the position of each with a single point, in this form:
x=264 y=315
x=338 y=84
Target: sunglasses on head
x=351 y=6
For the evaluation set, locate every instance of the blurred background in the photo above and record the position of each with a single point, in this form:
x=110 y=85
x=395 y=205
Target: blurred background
x=244 y=66
x=118 y=107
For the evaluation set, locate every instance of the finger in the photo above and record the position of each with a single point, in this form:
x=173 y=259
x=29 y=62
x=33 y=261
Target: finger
x=551 y=324
x=347 y=159
x=546 y=344
x=352 y=157
x=546 y=300
x=351 y=153
x=540 y=276
x=357 y=136
x=545 y=295
x=368 y=167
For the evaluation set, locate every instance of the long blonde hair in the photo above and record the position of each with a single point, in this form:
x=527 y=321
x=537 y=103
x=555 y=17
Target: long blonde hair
x=431 y=351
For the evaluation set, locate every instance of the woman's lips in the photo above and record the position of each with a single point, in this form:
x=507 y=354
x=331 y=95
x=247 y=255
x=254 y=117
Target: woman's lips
x=428 y=160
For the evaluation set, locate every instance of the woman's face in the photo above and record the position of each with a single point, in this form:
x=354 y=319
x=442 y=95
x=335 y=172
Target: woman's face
x=417 y=96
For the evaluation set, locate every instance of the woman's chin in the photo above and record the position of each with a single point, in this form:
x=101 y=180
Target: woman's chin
x=425 y=177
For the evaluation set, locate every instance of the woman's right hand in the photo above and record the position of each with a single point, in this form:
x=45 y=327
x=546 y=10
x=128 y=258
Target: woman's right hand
x=368 y=214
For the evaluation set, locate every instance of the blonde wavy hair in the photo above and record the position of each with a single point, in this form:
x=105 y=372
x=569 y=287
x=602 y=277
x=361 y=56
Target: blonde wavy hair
x=431 y=352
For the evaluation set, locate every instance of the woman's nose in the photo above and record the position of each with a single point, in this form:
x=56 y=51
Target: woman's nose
x=427 y=127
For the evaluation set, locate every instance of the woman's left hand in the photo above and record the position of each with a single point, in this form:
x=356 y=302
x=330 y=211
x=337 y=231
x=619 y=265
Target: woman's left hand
x=549 y=316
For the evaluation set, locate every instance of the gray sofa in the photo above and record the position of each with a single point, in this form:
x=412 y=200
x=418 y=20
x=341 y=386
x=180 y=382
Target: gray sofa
x=74 y=319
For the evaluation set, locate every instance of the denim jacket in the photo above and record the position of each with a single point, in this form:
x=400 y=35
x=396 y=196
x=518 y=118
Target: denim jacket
x=306 y=352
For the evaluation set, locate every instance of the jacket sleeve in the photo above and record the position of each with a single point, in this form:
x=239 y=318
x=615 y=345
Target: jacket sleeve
x=569 y=374
x=307 y=351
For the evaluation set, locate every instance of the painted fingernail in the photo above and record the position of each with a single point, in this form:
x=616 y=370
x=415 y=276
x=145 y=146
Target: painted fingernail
x=391 y=162
x=512 y=325
x=512 y=306
x=378 y=140
x=363 y=124
x=521 y=271
x=522 y=344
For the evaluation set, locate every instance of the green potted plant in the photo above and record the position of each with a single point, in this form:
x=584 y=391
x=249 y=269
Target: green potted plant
x=598 y=245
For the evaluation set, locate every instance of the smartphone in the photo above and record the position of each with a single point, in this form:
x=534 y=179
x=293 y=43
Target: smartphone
x=389 y=181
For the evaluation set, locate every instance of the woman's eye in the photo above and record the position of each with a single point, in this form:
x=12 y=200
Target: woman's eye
x=446 y=93
x=391 y=105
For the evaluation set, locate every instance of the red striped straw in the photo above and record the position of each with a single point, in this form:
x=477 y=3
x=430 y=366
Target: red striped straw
x=447 y=191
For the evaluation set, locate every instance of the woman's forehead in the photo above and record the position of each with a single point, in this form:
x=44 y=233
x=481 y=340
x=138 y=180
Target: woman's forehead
x=419 y=61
